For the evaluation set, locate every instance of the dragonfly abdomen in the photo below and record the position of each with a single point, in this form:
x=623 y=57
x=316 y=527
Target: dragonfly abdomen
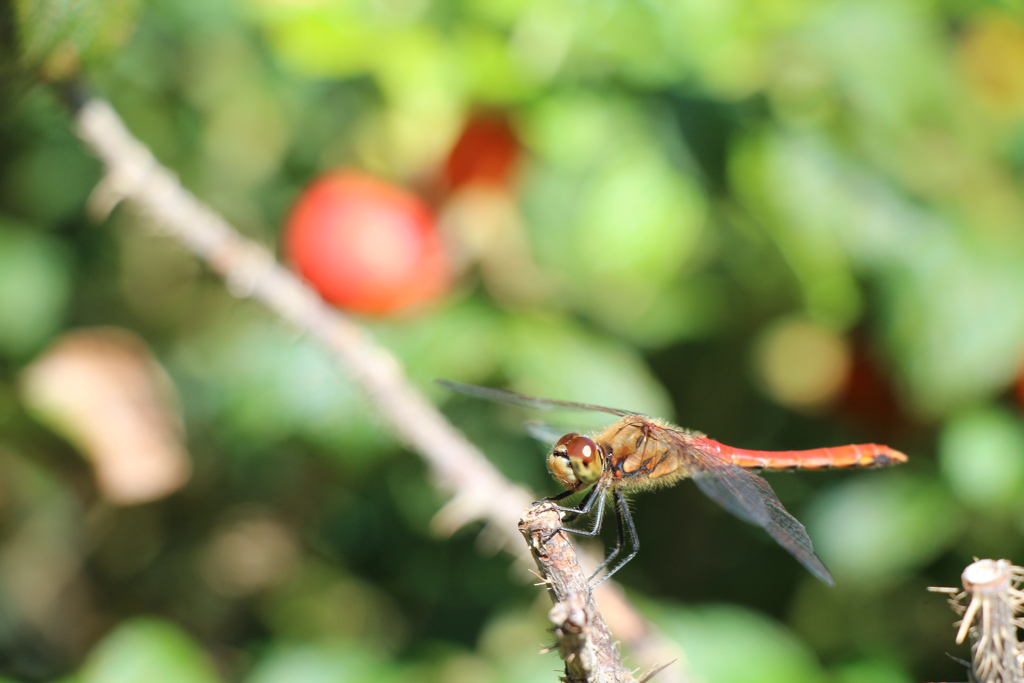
x=857 y=455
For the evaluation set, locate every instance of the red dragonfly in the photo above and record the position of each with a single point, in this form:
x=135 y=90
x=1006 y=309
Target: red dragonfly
x=639 y=452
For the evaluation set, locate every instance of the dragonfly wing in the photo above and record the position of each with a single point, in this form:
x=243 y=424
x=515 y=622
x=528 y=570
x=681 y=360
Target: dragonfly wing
x=752 y=499
x=543 y=432
x=502 y=396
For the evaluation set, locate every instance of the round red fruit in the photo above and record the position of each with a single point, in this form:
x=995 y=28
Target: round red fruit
x=365 y=245
x=486 y=153
x=1020 y=388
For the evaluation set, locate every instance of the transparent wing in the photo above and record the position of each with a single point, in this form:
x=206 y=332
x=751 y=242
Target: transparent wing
x=543 y=432
x=747 y=496
x=510 y=397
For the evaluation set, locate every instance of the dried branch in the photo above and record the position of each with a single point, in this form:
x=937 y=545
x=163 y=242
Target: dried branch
x=991 y=618
x=582 y=637
x=583 y=640
x=478 y=491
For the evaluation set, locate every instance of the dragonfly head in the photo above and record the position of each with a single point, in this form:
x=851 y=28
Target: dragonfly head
x=576 y=462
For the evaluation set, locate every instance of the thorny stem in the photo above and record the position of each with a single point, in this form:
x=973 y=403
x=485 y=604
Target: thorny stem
x=582 y=637
x=991 y=618
x=478 y=490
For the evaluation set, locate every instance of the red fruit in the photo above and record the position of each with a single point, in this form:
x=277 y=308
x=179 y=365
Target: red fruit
x=365 y=245
x=486 y=153
x=869 y=396
x=1020 y=388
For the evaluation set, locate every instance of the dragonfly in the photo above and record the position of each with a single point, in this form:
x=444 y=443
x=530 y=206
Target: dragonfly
x=638 y=453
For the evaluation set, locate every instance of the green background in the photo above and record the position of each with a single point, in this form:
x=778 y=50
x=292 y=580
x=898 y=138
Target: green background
x=723 y=202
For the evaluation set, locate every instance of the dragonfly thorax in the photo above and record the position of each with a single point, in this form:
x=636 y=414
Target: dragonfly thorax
x=576 y=462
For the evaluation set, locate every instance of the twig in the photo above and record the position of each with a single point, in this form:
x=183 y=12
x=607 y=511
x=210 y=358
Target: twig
x=991 y=618
x=582 y=637
x=584 y=641
x=478 y=491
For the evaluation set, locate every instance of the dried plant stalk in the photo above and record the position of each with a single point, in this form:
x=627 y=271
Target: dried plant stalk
x=991 y=618
x=583 y=640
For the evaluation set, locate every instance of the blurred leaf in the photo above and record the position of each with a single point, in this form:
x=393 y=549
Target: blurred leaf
x=625 y=39
x=146 y=650
x=610 y=213
x=887 y=101
x=791 y=183
x=571 y=129
x=693 y=309
x=267 y=385
x=872 y=671
x=879 y=526
x=35 y=288
x=411 y=61
x=56 y=34
x=730 y=644
x=245 y=135
x=460 y=340
x=41 y=554
x=419 y=71
x=661 y=207
x=444 y=663
x=946 y=363
x=729 y=46
x=320 y=664
x=833 y=219
x=502 y=12
x=553 y=358
x=509 y=639
x=323 y=603
x=493 y=72
x=318 y=39
x=416 y=70
x=50 y=181
x=981 y=456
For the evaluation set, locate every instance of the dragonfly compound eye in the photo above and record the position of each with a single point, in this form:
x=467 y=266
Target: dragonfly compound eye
x=584 y=457
x=581 y=448
x=563 y=443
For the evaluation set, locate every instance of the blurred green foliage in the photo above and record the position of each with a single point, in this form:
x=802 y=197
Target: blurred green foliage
x=35 y=283
x=147 y=650
x=694 y=176
x=730 y=643
x=55 y=35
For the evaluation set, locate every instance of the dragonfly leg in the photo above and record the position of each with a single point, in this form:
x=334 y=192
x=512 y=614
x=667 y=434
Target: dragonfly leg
x=586 y=505
x=620 y=541
x=554 y=499
x=626 y=521
x=594 y=496
x=597 y=496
